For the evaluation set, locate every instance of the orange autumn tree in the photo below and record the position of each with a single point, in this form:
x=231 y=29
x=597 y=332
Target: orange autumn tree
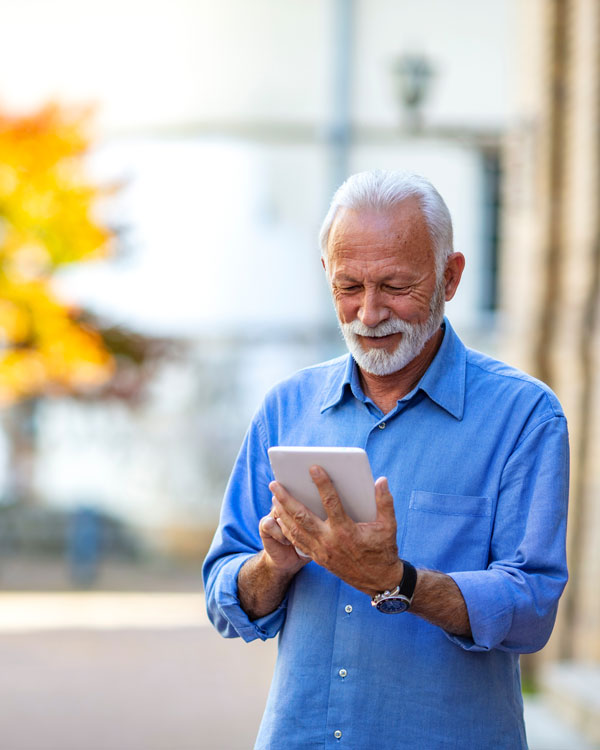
x=47 y=222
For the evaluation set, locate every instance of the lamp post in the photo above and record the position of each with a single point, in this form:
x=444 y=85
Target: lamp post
x=413 y=74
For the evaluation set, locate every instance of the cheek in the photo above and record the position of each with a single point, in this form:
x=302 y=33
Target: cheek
x=412 y=309
x=346 y=309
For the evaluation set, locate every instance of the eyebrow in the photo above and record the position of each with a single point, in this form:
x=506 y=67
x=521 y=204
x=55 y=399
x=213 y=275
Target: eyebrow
x=403 y=278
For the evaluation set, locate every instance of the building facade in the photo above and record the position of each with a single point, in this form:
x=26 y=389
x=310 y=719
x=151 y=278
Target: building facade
x=550 y=292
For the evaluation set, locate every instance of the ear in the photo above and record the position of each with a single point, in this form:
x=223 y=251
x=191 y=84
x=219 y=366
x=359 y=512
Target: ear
x=455 y=266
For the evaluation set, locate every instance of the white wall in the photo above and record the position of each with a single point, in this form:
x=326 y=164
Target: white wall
x=149 y=63
x=223 y=230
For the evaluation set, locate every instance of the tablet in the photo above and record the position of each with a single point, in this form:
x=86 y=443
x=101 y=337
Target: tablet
x=348 y=469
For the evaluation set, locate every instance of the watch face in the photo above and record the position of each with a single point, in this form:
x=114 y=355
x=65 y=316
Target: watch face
x=393 y=605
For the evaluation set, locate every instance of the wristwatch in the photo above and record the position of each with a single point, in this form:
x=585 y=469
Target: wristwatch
x=399 y=599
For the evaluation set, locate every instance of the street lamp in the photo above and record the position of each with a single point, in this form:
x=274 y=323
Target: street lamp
x=413 y=74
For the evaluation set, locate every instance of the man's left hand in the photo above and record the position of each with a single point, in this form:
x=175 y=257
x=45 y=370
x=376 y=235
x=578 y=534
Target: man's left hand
x=365 y=555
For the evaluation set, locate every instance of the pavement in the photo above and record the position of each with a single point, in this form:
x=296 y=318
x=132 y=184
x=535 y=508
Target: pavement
x=125 y=671
x=145 y=671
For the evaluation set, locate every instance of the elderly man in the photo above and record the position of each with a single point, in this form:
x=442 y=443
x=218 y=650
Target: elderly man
x=471 y=507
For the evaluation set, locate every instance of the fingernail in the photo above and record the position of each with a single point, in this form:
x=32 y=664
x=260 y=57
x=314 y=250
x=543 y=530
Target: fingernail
x=315 y=471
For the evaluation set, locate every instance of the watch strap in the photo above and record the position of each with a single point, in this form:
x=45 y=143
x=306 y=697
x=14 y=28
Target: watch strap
x=409 y=580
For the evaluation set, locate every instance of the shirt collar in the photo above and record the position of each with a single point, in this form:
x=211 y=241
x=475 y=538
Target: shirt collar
x=335 y=392
x=443 y=381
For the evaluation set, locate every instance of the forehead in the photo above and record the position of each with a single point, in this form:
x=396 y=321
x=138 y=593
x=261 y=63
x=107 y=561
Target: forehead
x=399 y=234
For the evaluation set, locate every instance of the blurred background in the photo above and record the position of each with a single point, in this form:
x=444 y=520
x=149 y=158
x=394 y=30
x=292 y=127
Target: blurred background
x=164 y=169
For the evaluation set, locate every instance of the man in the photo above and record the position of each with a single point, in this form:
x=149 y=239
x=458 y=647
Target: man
x=470 y=529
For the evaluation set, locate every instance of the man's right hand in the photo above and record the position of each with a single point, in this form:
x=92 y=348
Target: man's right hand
x=281 y=553
x=264 y=579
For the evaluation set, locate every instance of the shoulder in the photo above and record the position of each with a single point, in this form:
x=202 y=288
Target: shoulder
x=322 y=371
x=505 y=381
x=308 y=383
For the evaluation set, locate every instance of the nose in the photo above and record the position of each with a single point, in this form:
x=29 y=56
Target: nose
x=372 y=310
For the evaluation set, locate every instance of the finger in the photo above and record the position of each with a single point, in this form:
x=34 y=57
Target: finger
x=283 y=530
x=298 y=527
x=294 y=534
x=292 y=512
x=290 y=540
x=269 y=527
x=384 y=501
x=329 y=497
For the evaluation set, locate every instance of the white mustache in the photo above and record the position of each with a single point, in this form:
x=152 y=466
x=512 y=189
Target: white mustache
x=385 y=328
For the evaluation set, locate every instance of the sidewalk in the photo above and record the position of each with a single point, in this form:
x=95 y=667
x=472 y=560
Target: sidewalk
x=99 y=610
x=130 y=671
x=546 y=731
x=103 y=671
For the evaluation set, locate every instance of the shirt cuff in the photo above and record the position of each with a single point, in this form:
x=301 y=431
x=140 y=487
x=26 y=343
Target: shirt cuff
x=238 y=622
x=489 y=606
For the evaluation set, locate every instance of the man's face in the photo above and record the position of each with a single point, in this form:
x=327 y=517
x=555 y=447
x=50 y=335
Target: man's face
x=382 y=272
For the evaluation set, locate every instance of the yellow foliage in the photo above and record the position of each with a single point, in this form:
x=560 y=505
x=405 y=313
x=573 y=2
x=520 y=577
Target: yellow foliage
x=46 y=221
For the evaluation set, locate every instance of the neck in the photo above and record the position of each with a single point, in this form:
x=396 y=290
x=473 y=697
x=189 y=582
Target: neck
x=386 y=390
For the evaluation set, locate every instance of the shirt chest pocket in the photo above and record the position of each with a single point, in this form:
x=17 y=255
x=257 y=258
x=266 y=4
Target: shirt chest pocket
x=447 y=532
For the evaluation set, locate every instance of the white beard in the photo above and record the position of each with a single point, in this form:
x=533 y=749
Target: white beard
x=414 y=338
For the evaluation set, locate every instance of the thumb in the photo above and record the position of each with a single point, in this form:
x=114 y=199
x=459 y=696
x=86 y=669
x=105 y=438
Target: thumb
x=384 y=501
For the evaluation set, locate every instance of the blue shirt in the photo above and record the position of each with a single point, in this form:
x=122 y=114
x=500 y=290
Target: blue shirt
x=477 y=461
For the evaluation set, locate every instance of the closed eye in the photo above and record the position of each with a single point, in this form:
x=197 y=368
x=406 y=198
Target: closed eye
x=348 y=288
x=396 y=289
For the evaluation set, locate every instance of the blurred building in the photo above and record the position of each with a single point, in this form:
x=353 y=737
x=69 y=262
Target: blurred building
x=551 y=300
x=230 y=124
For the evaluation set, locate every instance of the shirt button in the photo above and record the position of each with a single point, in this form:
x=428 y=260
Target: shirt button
x=337 y=734
x=382 y=426
x=343 y=672
x=348 y=608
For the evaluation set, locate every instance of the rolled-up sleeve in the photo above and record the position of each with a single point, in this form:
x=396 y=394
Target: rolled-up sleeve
x=512 y=604
x=247 y=500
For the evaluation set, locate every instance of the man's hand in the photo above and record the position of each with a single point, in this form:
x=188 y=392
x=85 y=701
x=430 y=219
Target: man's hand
x=365 y=555
x=279 y=550
x=264 y=579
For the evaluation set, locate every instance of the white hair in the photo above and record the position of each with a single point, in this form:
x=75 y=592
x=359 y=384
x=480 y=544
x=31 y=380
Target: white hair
x=383 y=189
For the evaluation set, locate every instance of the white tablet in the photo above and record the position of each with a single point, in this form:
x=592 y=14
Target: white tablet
x=348 y=469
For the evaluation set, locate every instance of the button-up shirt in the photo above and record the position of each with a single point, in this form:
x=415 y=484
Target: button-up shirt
x=476 y=457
